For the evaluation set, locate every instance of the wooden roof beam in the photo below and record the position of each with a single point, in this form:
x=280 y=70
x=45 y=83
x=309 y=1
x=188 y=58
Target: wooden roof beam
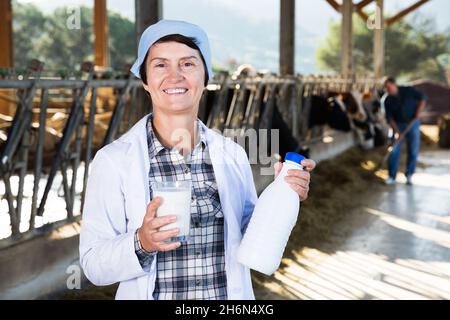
x=359 y=8
x=362 y=4
x=362 y=14
x=336 y=6
x=404 y=12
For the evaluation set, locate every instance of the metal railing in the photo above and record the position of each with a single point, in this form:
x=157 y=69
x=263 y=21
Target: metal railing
x=227 y=103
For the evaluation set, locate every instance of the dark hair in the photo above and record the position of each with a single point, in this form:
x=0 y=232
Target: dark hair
x=389 y=80
x=190 y=42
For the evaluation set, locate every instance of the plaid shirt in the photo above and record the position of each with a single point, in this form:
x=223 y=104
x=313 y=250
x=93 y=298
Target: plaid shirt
x=195 y=270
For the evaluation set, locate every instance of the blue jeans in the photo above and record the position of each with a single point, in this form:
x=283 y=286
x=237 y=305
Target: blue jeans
x=412 y=144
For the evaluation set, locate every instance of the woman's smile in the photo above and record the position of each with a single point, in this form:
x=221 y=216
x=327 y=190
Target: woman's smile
x=175 y=91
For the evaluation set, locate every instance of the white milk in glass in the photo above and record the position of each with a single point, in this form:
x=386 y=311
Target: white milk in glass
x=176 y=200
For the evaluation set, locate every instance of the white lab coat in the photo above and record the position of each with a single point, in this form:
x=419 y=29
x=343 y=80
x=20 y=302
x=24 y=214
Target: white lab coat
x=117 y=195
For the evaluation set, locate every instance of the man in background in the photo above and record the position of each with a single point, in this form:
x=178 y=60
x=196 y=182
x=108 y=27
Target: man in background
x=403 y=106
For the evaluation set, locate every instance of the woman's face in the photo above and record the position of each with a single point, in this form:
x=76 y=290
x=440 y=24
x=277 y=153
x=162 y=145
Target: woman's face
x=175 y=77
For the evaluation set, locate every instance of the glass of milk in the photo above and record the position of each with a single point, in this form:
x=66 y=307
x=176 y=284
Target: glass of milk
x=176 y=200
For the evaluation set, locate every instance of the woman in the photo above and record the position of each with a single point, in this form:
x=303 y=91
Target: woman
x=120 y=239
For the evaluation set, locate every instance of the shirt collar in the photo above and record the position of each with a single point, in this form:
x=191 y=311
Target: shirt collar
x=155 y=146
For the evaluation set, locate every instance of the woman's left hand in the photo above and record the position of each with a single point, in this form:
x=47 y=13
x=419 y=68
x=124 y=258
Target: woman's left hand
x=298 y=179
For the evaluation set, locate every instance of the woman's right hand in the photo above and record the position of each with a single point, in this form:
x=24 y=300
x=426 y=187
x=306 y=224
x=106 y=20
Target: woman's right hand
x=149 y=235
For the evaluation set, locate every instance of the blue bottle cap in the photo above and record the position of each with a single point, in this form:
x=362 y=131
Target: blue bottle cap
x=294 y=157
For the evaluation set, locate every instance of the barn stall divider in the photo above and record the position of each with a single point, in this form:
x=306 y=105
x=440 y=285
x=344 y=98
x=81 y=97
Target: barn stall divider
x=53 y=126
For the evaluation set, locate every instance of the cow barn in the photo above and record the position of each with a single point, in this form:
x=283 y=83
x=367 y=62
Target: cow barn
x=355 y=237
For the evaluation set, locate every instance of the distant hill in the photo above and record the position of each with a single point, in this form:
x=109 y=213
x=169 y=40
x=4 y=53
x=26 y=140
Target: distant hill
x=233 y=36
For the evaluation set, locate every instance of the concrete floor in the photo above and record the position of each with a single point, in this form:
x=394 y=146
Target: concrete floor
x=398 y=247
x=395 y=246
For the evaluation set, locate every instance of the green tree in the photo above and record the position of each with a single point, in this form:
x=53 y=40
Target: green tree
x=49 y=39
x=67 y=48
x=411 y=51
x=122 y=40
x=28 y=26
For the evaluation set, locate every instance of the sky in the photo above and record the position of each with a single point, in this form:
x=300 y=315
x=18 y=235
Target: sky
x=312 y=15
x=312 y=19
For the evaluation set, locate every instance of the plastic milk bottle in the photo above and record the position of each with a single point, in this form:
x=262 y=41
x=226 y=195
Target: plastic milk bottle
x=273 y=218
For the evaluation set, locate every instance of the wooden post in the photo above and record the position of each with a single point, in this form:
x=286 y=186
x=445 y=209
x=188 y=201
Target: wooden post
x=6 y=35
x=346 y=38
x=287 y=37
x=378 y=41
x=101 y=33
x=6 y=55
x=147 y=12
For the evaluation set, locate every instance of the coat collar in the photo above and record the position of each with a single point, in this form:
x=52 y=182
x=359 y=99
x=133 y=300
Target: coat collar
x=137 y=136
